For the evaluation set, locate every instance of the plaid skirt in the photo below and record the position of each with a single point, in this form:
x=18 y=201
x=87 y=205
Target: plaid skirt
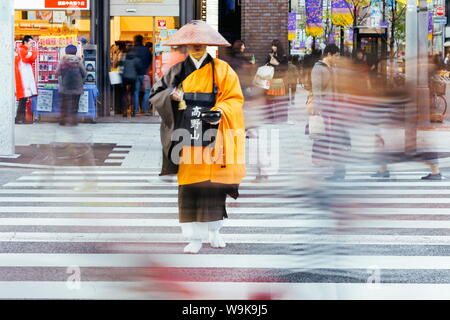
x=277 y=88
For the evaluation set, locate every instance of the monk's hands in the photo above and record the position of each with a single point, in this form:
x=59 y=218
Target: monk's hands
x=177 y=95
x=217 y=122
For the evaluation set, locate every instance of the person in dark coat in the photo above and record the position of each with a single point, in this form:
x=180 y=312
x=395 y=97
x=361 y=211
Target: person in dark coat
x=71 y=74
x=129 y=80
x=243 y=64
x=144 y=54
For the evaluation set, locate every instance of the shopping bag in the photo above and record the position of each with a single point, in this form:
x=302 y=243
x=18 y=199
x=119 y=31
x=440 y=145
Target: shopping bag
x=115 y=77
x=263 y=77
x=316 y=125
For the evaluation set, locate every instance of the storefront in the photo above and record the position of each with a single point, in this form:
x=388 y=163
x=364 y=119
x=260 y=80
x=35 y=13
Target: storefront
x=155 y=20
x=54 y=25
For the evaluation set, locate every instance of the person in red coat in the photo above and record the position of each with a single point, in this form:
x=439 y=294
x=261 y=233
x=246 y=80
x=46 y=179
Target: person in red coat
x=25 y=56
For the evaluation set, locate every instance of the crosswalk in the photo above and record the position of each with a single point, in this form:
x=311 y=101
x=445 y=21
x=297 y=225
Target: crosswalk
x=113 y=233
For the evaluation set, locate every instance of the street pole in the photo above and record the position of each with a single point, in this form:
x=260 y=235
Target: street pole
x=7 y=94
x=411 y=76
x=423 y=91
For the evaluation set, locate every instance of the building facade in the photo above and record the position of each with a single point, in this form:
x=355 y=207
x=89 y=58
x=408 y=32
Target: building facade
x=263 y=21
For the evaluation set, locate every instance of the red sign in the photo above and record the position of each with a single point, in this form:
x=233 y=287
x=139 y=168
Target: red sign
x=162 y=23
x=440 y=11
x=63 y=4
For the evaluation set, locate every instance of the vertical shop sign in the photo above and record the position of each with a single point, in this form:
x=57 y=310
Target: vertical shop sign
x=314 y=25
x=292 y=25
x=341 y=12
x=430 y=25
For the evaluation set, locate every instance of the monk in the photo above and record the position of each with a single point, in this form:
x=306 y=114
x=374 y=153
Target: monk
x=202 y=133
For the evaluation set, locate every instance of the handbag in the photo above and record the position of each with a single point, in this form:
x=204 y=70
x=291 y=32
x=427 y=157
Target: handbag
x=263 y=77
x=273 y=60
x=316 y=126
x=310 y=104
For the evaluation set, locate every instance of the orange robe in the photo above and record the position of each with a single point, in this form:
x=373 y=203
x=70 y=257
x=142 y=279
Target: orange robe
x=225 y=162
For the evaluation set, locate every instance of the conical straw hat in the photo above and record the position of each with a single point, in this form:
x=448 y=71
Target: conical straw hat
x=197 y=32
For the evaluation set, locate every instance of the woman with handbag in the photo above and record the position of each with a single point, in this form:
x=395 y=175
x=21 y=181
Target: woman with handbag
x=277 y=98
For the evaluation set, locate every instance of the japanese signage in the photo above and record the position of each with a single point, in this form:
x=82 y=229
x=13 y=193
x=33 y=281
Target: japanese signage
x=51 y=4
x=314 y=25
x=292 y=26
x=341 y=13
x=72 y=4
x=162 y=24
x=440 y=11
x=58 y=41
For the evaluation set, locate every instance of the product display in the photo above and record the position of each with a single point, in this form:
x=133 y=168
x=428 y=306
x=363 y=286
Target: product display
x=51 y=50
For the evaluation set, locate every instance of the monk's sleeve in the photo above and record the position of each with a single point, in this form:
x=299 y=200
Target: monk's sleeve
x=160 y=98
x=230 y=98
x=232 y=127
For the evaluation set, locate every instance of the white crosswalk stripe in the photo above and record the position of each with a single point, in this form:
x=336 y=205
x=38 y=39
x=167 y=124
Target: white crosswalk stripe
x=279 y=239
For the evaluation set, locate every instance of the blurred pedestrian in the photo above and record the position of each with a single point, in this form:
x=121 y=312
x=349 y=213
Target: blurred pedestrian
x=431 y=159
x=244 y=65
x=277 y=95
x=145 y=57
x=129 y=81
x=196 y=99
x=308 y=63
x=118 y=65
x=26 y=87
x=336 y=139
x=177 y=54
x=293 y=77
x=447 y=62
x=71 y=74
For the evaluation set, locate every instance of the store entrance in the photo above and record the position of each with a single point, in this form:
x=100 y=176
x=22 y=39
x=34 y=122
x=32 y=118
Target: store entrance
x=154 y=31
x=373 y=41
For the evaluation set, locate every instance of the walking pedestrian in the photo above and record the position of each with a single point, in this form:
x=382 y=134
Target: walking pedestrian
x=26 y=87
x=129 y=81
x=447 y=62
x=431 y=159
x=144 y=54
x=244 y=65
x=200 y=99
x=118 y=65
x=293 y=77
x=71 y=74
x=277 y=95
x=336 y=139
